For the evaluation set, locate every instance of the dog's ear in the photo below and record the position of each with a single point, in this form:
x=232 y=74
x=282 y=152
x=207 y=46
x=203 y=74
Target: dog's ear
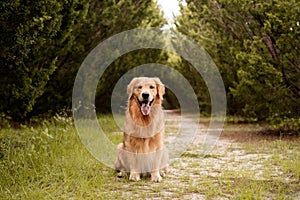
x=130 y=87
x=160 y=87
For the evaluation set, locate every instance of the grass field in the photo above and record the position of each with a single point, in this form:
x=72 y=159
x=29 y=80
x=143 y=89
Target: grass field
x=48 y=161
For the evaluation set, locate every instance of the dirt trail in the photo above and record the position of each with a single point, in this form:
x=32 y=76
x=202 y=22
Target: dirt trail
x=235 y=166
x=228 y=156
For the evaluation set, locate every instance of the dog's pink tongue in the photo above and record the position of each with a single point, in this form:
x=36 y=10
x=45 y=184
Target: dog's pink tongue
x=145 y=109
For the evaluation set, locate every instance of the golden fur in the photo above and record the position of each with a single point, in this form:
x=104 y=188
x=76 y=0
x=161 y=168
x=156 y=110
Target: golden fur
x=142 y=150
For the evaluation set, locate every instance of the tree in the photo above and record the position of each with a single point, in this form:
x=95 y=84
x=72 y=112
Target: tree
x=33 y=35
x=44 y=43
x=104 y=20
x=255 y=44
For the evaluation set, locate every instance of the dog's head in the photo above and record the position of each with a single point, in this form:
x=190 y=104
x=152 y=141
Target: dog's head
x=146 y=91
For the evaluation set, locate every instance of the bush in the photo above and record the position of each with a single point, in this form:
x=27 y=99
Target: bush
x=44 y=42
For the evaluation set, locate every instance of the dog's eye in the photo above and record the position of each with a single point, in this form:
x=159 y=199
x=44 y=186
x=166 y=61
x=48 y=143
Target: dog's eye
x=152 y=87
x=140 y=87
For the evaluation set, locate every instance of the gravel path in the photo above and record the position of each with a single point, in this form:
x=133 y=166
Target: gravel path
x=227 y=163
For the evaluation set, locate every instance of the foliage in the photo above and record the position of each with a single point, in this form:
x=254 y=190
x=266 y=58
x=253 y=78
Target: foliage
x=105 y=19
x=284 y=126
x=194 y=78
x=255 y=44
x=44 y=43
x=34 y=36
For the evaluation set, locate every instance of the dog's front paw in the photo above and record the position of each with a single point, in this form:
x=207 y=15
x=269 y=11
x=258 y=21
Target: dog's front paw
x=134 y=177
x=156 y=177
x=163 y=172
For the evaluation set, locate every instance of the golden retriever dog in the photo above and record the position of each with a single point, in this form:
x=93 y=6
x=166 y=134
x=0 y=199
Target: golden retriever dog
x=142 y=150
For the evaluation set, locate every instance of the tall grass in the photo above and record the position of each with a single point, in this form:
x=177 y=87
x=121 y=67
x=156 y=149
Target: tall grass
x=46 y=160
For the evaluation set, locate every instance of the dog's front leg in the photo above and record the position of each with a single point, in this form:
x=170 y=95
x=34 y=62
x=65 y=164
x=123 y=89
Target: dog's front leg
x=134 y=168
x=155 y=176
x=156 y=160
x=134 y=176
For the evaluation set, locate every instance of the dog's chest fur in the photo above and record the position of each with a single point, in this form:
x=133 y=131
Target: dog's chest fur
x=143 y=133
x=142 y=145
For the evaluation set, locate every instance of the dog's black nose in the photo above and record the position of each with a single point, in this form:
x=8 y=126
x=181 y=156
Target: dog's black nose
x=145 y=95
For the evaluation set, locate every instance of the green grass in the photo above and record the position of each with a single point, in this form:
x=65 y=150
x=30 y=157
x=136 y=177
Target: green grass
x=48 y=161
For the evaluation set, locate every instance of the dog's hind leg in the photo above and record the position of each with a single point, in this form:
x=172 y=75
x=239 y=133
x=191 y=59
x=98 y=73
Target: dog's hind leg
x=119 y=163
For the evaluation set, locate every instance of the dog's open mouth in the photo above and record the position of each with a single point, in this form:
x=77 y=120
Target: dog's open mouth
x=145 y=106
